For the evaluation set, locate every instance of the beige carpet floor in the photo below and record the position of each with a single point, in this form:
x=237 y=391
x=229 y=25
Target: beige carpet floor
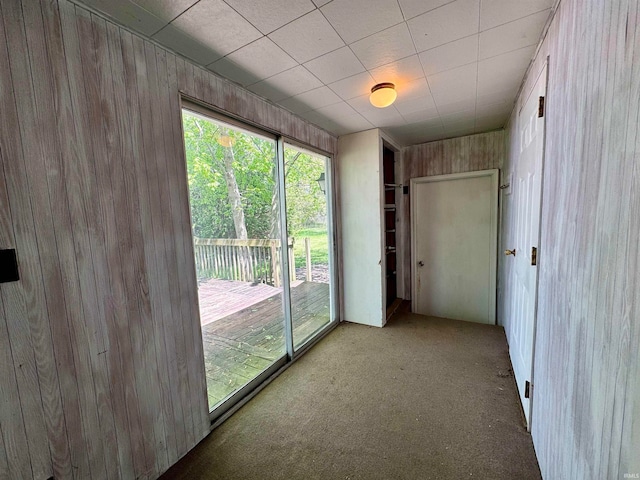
x=422 y=398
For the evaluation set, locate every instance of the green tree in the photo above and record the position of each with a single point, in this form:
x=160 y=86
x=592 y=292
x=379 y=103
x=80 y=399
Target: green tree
x=232 y=183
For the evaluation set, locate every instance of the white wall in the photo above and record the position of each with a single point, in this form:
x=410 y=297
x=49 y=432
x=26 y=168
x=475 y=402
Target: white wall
x=360 y=183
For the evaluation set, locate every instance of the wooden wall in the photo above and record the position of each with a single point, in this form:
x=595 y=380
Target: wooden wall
x=101 y=368
x=586 y=403
x=464 y=154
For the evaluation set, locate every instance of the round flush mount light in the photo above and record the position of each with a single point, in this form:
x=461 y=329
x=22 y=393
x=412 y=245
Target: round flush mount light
x=383 y=95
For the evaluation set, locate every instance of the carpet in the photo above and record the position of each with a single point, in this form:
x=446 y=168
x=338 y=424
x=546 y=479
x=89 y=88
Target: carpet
x=421 y=398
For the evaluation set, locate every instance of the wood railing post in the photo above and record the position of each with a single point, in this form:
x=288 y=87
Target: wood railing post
x=274 y=264
x=307 y=250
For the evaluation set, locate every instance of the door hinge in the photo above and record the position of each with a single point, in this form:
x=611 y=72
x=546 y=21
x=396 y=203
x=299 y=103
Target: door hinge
x=534 y=256
x=528 y=389
x=540 y=107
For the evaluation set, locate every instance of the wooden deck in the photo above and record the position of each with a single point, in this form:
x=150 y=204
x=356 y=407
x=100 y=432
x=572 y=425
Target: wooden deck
x=241 y=345
x=220 y=298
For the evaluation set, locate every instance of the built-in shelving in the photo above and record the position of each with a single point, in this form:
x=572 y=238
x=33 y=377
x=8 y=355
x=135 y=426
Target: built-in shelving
x=390 y=218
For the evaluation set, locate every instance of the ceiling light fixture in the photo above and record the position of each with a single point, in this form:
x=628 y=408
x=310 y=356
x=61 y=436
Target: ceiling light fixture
x=383 y=95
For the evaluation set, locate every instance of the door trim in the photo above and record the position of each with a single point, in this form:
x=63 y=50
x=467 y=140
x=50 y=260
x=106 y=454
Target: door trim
x=494 y=174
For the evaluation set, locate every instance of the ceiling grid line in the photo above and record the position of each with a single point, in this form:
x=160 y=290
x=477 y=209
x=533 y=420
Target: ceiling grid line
x=475 y=119
x=456 y=64
x=441 y=124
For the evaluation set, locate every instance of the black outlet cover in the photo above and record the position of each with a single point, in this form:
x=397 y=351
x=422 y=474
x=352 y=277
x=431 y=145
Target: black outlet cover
x=405 y=190
x=8 y=266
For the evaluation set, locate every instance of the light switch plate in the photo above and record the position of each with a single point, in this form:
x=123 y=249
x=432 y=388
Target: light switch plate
x=8 y=266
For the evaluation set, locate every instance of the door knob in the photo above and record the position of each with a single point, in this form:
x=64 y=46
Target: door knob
x=510 y=252
x=421 y=263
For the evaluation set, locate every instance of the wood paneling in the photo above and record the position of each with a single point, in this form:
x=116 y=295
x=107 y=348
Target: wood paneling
x=586 y=399
x=100 y=343
x=464 y=154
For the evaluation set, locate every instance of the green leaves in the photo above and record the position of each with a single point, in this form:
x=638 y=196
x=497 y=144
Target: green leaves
x=253 y=167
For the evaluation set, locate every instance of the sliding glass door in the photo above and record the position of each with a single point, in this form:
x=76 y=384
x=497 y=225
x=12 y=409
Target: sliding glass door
x=307 y=181
x=262 y=294
x=235 y=216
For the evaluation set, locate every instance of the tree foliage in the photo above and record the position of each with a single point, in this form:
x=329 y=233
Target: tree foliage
x=253 y=168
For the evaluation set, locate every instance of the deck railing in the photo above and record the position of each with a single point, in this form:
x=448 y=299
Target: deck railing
x=250 y=260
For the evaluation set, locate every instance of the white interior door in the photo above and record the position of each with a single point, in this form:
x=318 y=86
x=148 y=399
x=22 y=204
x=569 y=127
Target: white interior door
x=454 y=242
x=522 y=289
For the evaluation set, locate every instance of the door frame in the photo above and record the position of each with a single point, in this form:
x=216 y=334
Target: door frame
x=494 y=175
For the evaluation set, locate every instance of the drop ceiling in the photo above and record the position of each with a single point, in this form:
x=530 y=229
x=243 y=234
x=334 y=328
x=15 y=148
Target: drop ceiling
x=457 y=65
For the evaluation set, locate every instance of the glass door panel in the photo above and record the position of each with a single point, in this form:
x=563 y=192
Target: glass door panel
x=235 y=218
x=307 y=182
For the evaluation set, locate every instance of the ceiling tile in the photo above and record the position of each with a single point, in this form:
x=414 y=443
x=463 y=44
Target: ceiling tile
x=321 y=121
x=431 y=123
x=445 y=24
x=353 y=86
x=503 y=72
x=353 y=123
x=356 y=19
x=418 y=109
x=165 y=9
x=420 y=116
x=216 y=25
x=271 y=15
x=457 y=107
x=130 y=14
x=335 y=66
x=379 y=117
x=466 y=118
x=400 y=72
x=419 y=132
x=337 y=110
x=513 y=35
x=498 y=12
x=311 y=100
x=384 y=47
x=419 y=104
x=390 y=119
x=454 y=131
x=307 y=37
x=178 y=41
x=304 y=64
x=450 y=55
x=454 y=85
x=413 y=8
x=496 y=109
x=412 y=90
x=504 y=96
x=258 y=60
x=286 y=84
